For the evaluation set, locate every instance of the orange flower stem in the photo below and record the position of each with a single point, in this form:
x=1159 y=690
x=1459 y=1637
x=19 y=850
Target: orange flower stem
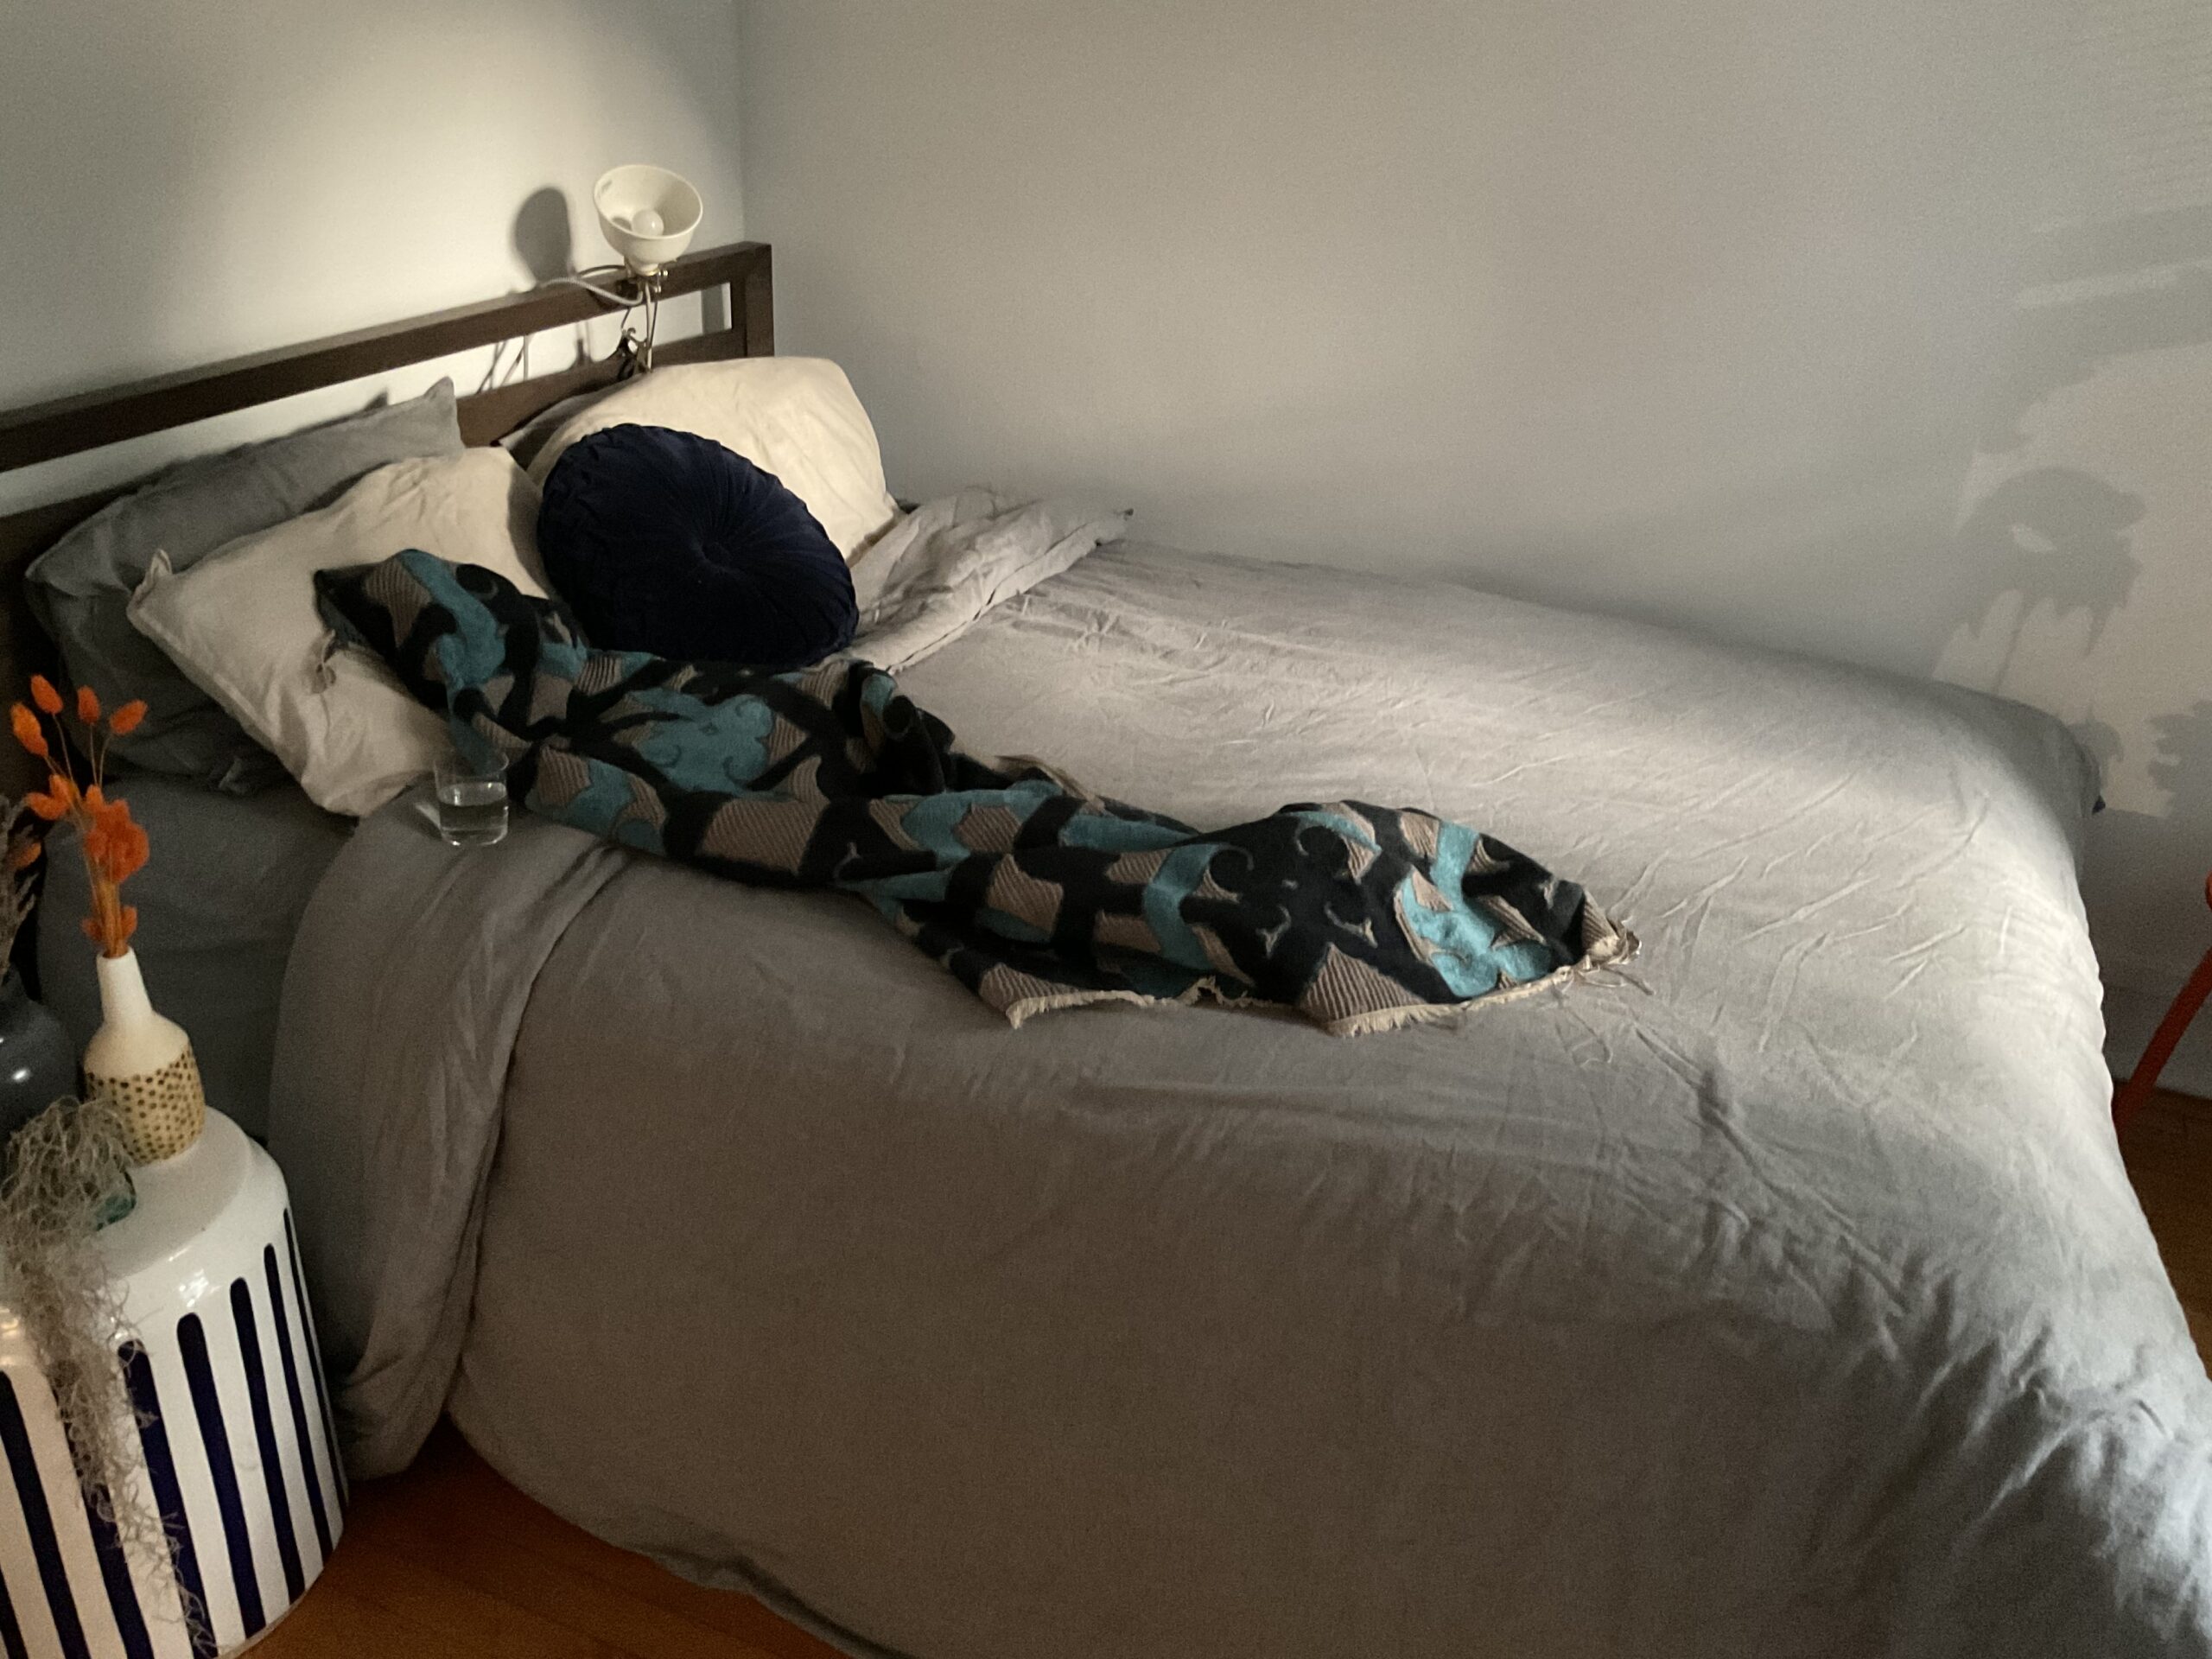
x=107 y=910
x=112 y=846
x=61 y=749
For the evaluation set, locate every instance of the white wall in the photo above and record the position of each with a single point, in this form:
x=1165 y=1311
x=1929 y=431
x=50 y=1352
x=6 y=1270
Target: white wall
x=181 y=182
x=1729 y=312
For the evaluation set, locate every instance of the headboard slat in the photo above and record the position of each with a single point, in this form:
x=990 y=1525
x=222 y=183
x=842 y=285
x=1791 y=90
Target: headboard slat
x=65 y=426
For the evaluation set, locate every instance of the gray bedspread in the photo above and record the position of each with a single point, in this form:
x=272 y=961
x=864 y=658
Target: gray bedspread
x=1792 y=1300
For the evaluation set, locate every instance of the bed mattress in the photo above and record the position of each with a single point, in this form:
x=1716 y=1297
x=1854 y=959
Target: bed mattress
x=1784 y=1294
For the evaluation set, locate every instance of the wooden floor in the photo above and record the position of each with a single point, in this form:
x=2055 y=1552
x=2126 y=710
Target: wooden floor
x=2169 y=1152
x=448 y=1561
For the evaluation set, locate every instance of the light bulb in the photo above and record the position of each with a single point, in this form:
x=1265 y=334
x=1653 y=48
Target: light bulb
x=645 y=222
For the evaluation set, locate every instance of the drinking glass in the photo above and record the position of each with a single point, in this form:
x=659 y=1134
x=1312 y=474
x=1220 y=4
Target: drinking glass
x=472 y=801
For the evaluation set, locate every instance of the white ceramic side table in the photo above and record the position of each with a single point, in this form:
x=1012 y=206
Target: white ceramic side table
x=234 y=1427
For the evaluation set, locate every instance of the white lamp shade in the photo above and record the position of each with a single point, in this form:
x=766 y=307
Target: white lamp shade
x=647 y=214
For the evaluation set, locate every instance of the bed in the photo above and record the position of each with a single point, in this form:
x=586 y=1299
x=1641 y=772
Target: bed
x=1782 y=1293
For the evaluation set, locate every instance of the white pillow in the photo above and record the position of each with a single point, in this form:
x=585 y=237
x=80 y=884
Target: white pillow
x=795 y=417
x=243 y=626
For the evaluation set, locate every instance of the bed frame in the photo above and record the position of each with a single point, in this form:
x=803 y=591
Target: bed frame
x=740 y=275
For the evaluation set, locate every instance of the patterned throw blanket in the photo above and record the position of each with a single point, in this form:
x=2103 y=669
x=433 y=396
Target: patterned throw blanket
x=1034 y=892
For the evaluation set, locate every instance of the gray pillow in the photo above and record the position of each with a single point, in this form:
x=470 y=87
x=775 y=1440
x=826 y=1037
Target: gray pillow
x=80 y=587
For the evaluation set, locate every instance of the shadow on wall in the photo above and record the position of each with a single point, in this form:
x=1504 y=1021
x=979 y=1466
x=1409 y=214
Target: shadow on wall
x=2095 y=293
x=2166 y=854
x=2182 y=764
x=2058 y=534
x=543 y=236
x=2078 y=564
x=2055 y=534
x=2101 y=742
x=2174 y=844
x=545 y=241
x=2061 y=342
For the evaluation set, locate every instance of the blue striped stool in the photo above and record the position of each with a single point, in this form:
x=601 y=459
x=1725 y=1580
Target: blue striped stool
x=234 y=1423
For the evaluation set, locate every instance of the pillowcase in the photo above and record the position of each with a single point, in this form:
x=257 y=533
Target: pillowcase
x=794 y=416
x=527 y=442
x=667 y=542
x=245 y=625
x=81 y=588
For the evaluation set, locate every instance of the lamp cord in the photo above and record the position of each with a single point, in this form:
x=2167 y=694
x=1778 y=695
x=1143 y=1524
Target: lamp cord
x=628 y=301
x=636 y=350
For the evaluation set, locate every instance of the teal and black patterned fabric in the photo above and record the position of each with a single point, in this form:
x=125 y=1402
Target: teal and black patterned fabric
x=1034 y=892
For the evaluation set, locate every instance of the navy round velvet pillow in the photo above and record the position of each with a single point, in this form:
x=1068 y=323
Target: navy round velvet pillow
x=667 y=542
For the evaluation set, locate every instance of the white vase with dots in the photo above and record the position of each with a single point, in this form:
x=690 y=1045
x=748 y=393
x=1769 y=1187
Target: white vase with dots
x=144 y=1064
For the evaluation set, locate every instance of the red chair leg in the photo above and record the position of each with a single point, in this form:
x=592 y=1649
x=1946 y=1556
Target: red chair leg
x=2145 y=1077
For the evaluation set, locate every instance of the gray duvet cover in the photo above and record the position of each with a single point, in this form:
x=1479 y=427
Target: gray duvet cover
x=1790 y=1300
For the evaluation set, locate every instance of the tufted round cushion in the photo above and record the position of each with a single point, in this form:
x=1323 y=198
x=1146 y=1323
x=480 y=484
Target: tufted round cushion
x=667 y=542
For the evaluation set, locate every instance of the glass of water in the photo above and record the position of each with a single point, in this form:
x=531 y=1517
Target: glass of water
x=472 y=801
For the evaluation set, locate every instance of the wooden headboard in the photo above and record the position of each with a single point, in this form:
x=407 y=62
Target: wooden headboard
x=68 y=426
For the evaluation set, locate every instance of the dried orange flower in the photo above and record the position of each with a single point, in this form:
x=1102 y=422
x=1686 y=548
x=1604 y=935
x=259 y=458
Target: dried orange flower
x=24 y=854
x=25 y=725
x=114 y=847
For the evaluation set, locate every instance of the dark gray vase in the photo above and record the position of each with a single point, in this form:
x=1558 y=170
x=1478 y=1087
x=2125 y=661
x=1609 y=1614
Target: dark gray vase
x=38 y=1064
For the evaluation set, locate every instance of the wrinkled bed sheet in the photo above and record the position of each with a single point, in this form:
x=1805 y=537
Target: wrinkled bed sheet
x=1790 y=1300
